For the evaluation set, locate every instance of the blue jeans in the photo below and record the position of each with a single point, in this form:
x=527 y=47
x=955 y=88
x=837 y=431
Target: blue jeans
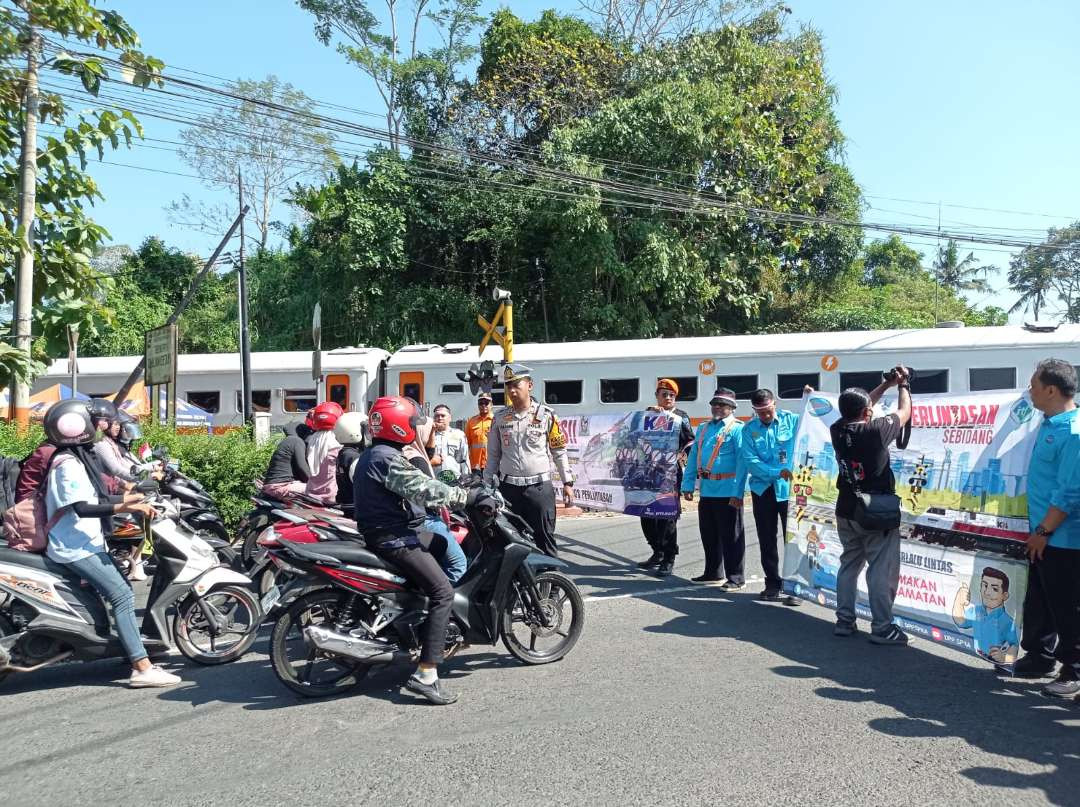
x=100 y=572
x=451 y=558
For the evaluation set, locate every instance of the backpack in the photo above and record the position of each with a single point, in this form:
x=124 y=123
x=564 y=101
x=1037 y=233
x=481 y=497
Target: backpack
x=26 y=525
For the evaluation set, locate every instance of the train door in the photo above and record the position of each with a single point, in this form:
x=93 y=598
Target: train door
x=337 y=389
x=411 y=385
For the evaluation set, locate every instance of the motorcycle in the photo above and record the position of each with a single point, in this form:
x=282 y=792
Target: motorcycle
x=196 y=604
x=357 y=611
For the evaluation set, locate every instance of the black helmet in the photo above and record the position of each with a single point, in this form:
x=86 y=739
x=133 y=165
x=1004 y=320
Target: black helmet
x=130 y=431
x=68 y=423
x=103 y=409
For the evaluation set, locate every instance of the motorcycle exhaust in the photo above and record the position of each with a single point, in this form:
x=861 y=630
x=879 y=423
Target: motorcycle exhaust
x=6 y=667
x=344 y=645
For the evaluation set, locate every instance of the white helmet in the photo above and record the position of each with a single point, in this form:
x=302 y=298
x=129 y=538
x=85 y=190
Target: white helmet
x=349 y=429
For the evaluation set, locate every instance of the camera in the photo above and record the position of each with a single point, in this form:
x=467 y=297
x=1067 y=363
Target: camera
x=890 y=375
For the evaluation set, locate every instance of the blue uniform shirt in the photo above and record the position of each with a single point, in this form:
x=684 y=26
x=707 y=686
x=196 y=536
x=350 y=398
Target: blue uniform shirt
x=992 y=628
x=766 y=450
x=1054 y=476
x=727 y=464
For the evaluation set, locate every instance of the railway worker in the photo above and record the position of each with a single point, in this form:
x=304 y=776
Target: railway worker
x=768 y=451
x=476 y=431
x=1052 y=605
x=451 y=445
x=523 y=436
x=663 y=533
x=715 y=460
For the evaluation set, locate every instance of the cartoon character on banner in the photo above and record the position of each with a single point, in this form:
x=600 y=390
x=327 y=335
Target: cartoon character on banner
x=917 y=481
x=801 y=487
x=993 y=630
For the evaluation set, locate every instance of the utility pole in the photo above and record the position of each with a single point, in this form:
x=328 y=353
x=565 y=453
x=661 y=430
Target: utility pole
x=24 y=276
x=543 y=299
x=245 y=340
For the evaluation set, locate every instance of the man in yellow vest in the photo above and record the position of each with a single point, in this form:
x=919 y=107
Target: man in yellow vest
x=476 y=432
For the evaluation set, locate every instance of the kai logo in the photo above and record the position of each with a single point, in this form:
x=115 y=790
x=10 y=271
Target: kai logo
x=819 y=407
x=1022 y=411
x=658 y=423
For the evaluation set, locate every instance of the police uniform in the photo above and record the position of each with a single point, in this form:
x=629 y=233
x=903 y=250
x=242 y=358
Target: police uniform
x=518 y=448
x=662 y=534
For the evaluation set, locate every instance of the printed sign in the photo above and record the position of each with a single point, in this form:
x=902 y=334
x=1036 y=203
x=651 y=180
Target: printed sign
x=160 y=356
x=963 y=486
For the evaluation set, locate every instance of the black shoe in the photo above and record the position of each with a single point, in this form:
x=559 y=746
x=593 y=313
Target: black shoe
x=891 y=636
x=666 y=567
x=770 y=596
x=734 y=585
x=435 y=693
x=791 y=602
x=1032 y=665
x=708 y=580
x=653 y=560
x=845 y=629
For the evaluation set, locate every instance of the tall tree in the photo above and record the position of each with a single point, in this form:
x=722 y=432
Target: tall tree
x=646 y=23
x=961 y=275
x=64 y=238
x=1050 y=269
x=272 y=150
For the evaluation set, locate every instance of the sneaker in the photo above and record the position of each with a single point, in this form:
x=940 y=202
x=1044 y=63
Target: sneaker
x=152 y=676
x=435 y=692
x=136 y=572
x=1066 y=686
x=770 y=596
x=791 y=601
x=666 y=567
x=653 y=560
x=845 y=629
x=706 y=580
x=1032 y=665
x=892 y=636
x=733 y=585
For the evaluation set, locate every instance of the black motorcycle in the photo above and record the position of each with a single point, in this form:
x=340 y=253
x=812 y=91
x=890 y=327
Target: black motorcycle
x=363 y=612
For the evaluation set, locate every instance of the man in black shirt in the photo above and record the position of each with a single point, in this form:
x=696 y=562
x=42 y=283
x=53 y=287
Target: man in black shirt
x=861 y=443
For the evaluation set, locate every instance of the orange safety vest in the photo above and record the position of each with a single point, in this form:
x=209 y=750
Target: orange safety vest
x=476 y=433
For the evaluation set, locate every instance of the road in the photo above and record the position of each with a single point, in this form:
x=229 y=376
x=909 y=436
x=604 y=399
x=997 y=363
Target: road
x=674 y=695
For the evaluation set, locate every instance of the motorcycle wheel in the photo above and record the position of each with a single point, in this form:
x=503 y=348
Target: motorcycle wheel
x=297 y=663
x=191 y=632
x=562 y=603
x=7 y=628
x=248 y=538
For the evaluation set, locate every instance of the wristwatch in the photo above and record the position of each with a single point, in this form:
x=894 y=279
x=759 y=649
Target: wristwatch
x=569 y=484
x=905 y=385
x=1041 y=530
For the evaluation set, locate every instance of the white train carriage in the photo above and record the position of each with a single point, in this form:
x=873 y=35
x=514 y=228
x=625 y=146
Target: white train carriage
x=595 y=377
x=281 y=381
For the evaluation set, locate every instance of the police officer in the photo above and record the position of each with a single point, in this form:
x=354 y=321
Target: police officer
x=519 y=442
x=715 y=460
x=662 y=533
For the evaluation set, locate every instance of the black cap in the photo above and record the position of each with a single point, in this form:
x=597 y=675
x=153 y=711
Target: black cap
x=724 y=395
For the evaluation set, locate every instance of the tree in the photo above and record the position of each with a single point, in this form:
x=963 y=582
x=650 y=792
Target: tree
x=961 y=275
x=1049 y=269
x=66 y=289
x=890 y=261
x=272 y=150
x=648 y=22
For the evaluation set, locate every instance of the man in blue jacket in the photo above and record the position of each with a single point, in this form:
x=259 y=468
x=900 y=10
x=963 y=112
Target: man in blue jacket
x=768 y=450
x=714 y=460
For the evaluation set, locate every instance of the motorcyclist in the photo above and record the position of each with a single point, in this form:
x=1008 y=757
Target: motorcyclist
x=110 y=454
x=349 y=431
x=323 y=449
x=388 y=485
x=76 y=490
x=288 y=470
x=128 y=433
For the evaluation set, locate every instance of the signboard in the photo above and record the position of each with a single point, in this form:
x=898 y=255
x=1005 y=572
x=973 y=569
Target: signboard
x=160 y=356
x=316 y=340
x=625 y=463
x=963 y=484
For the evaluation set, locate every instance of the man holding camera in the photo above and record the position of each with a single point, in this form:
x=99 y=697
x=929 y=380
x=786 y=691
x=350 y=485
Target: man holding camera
x=867 y=507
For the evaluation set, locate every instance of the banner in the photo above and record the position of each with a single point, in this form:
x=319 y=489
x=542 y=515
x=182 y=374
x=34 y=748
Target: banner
x=625 y=463
x=962 y=481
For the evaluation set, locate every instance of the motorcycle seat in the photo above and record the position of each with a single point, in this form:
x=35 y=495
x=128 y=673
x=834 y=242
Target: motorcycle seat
x=344 y=551
x=31 y=560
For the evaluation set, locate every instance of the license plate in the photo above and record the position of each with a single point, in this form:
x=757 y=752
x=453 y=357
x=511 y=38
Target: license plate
x=269 y=599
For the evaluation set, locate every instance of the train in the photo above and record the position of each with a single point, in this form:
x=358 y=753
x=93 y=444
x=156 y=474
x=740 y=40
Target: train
x=606 y=376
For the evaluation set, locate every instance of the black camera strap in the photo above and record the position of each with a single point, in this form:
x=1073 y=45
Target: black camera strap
x=904 y=437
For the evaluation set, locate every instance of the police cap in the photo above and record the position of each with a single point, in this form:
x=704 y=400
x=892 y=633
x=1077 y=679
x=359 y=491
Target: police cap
x=515 y=372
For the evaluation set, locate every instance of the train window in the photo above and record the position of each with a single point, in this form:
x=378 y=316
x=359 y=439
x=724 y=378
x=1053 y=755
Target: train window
x=498 y=395
x=687 y=387
x=260 y=400
x=298 y=400
x=339 y=394
x=866 y=380
x=620 y=390
x=452 y=389
x=742 y=385
x=790 y=385
x=926 y=382
x=984 y=378
x=562 y=392
x=206 y=401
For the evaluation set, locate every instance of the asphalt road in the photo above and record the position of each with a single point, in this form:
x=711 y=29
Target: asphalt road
x=674 y=695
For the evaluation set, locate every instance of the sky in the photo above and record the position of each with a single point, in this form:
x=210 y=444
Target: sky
x=965 y=110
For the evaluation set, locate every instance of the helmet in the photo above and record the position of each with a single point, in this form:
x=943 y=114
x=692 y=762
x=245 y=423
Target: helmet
x=130 y=432
x=349 y=429
x=325 y=415
x=395 y=419
x=102 y=409
x=68 y=423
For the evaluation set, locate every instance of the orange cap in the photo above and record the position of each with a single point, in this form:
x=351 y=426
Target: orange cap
x=668 y=384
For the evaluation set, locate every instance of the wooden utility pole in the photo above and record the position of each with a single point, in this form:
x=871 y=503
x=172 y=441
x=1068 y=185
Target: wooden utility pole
x=24 y=275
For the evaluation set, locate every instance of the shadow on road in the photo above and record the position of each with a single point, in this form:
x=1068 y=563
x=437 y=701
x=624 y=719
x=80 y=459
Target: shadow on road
x=936 y=697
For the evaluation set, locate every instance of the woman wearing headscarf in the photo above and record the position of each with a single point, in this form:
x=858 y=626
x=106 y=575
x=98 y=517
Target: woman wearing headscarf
x=288 y=471
x=323 y=449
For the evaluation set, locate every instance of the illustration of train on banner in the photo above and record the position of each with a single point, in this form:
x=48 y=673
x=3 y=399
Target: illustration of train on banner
x=962 y=483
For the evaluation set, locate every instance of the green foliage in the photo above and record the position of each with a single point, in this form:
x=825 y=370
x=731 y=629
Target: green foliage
x=961 y=275
x=1047 y=271
x=14 y=442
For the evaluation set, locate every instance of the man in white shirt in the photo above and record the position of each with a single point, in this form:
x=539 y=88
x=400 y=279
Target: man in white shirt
x=451 y=445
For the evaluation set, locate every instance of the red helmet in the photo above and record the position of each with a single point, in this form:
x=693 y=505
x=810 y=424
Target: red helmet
x=325 y=415
x=395 y=419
